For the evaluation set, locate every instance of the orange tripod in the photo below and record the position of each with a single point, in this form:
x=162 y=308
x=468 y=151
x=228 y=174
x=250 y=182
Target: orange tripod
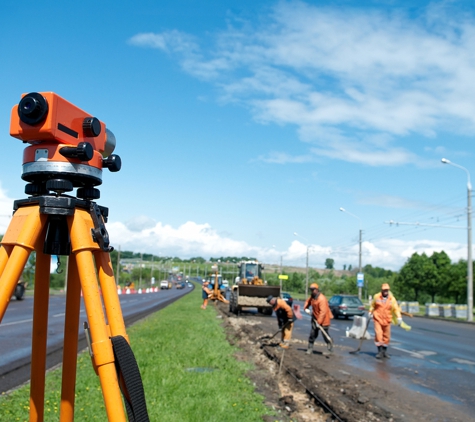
x=64 y=225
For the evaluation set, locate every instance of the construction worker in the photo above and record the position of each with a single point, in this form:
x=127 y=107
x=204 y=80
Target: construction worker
x=285 y=319
x=205 y=294
x=321 y=314
x=383 y=308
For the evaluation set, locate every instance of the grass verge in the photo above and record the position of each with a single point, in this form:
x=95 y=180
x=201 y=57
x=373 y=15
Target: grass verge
x=188 y=369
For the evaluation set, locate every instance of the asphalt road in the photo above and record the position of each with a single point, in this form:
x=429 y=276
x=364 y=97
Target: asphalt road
x=436 y=357
x=16 y=329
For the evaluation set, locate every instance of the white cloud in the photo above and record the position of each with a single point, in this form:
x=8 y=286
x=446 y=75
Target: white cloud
x=143 y=234
x=6 y=209
x=391 y=201
x=344 y=76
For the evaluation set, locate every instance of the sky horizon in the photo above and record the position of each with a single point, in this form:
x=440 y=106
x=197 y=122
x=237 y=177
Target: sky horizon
x=242 y=123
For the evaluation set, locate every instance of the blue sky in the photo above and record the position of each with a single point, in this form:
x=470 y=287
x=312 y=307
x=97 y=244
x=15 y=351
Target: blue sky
x=242 y=122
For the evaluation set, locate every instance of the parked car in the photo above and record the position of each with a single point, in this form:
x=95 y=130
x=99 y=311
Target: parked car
x=286 y=296
x=346 y=306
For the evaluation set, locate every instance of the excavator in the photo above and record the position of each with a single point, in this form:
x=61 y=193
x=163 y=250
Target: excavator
x=215 y=281
x=249 y=289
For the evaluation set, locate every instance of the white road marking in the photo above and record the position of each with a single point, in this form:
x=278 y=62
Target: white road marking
x=427 y=352
x=464 y=361
x=16 y=322
x=58 y=315
x=414 y=354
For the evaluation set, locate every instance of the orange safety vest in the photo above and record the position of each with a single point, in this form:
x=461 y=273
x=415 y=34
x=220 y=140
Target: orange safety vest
x=383 y=308
x=321 y=310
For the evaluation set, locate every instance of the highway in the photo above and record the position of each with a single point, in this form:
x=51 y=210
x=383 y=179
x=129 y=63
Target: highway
x=436 y=357
x=16 y=329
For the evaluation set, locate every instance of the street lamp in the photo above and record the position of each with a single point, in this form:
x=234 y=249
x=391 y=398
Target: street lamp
x=469 y=241
x=360 y=270
x=306 y=272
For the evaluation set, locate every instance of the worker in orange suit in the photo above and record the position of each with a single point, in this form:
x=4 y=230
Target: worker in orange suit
x=321 y=314
x=206 y=292
x=285 y=319
x=383 y=308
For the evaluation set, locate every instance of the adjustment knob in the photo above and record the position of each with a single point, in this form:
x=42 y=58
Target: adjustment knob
x=88 y=193
x=113 y=163
x=59 y=185
x=84 y=151
x=91 y=127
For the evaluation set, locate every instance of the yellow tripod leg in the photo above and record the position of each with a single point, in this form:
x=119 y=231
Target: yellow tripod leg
x=19 y=240
x=39 y=337
x=70 y=348
x=82 y=245
x=109 y=294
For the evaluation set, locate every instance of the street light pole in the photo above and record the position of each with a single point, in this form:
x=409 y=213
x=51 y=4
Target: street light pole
x=306 y=271
x=469 y=241
x=360 y=239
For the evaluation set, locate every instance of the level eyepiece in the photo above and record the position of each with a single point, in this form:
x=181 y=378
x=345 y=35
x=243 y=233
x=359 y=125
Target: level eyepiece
x=32 y=108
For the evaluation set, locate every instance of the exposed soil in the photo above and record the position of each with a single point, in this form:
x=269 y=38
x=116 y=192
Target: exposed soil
x=288 y=378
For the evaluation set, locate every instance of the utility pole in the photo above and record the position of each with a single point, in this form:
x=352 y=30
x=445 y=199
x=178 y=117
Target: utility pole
x=469 y=241
x=360 y=288
x=140 y=278
x=118 y=267
x=306 y=275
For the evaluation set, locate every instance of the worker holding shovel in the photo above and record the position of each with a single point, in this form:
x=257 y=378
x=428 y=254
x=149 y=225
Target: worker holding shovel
x=285 y=319
x=321 y=316
x=384 y=308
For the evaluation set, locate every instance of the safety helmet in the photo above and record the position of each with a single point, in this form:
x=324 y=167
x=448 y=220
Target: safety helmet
x=385 y=286
x=313 y=286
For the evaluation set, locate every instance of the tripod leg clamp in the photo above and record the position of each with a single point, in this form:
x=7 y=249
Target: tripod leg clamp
x=101 y=352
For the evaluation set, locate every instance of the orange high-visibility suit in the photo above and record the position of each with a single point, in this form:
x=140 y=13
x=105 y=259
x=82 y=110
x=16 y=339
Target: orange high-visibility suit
x=383 y=309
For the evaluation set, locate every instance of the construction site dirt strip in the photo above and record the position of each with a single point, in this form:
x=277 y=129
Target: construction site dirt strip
x=320 y=387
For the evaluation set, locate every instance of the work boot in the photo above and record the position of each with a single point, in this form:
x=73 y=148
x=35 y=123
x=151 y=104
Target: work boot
x=330 y=346
x=284 y=345
x=309 y=349
x=385 y=353
x=379 y=355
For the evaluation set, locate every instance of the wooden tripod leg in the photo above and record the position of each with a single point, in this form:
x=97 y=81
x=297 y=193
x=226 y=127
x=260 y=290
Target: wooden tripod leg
x=109 y=294
x=70 y=348
x=39 y=337
x=82 y=244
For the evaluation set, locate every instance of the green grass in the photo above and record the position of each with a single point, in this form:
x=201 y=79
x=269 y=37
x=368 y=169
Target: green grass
x=168 y=346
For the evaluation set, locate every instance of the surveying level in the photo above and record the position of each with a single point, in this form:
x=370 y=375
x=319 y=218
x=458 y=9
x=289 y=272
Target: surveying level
x=68 y=149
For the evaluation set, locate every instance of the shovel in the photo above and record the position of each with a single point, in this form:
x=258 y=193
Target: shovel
x=354 y=352
x=269 y=337
x=314 y=321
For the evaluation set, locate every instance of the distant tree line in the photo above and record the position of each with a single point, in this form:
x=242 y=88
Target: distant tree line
x=422 y=278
